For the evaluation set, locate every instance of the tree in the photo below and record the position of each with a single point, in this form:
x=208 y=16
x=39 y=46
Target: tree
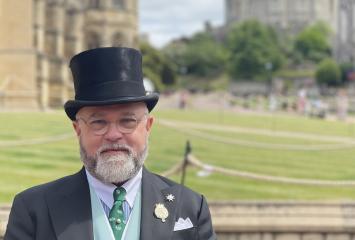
x=199 y=56
x=313 y=42
x=347 y=72
x=204 y=57
x=254 y=51
x=157 y=67
x=328 y=73
x=168 y=73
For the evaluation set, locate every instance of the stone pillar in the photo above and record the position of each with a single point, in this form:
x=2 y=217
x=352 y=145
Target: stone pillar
x=345 y=39
x=39 y=24
x=65 y=82
x=44 y=82
x=106 y=38
x=57 y=83
x=73 y=45
x=78 y=25
x=59 y=12
x=42 y=64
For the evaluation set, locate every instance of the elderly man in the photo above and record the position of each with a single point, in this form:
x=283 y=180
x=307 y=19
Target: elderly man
x=114 y=196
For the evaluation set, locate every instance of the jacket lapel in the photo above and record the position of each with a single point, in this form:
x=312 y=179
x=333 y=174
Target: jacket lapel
x=70 y=209
x=154 y=191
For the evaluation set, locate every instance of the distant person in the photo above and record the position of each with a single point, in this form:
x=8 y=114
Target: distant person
x=113 y=196
x=273 y=103
x=302 y=101
x=342 y=104
x=182 y=99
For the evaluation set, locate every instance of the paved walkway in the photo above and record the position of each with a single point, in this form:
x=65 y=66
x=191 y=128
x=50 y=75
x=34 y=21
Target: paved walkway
x=198 y=129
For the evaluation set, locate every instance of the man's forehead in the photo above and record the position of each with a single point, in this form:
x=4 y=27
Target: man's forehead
x=125 y=108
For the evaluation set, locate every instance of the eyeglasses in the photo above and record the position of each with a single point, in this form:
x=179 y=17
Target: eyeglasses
x=126 y=124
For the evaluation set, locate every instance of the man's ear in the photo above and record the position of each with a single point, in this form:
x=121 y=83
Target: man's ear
x=149 y=124
x=76 y=128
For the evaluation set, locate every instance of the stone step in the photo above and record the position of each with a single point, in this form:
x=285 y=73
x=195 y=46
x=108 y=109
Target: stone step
x=277 y=216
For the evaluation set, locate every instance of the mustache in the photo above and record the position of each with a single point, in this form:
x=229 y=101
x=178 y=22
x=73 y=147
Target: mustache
x=115 y=147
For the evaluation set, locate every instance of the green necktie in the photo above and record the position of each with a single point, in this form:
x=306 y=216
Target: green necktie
x=116 y=217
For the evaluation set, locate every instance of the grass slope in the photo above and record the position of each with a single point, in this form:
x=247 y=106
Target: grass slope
x=27 y=165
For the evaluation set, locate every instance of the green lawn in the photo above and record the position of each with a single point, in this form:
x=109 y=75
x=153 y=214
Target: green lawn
x=22 y=166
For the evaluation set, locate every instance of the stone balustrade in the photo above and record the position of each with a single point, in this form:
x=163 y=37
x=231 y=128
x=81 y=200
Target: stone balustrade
x=270 y=220
x=273 y=220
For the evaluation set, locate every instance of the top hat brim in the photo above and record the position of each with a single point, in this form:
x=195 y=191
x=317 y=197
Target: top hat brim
x=73 y=106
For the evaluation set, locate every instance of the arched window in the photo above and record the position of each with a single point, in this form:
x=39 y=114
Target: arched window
x=119 y=4
x=94 y=3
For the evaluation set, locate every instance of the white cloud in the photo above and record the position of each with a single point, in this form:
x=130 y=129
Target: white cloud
x=165 y=20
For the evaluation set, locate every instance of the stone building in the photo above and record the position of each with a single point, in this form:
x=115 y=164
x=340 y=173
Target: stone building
x=292 y=16
x=39 y=36
x=286 y=15
x=345 y=41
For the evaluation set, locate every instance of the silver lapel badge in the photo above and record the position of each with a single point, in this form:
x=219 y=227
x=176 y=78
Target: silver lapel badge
x=170 y=197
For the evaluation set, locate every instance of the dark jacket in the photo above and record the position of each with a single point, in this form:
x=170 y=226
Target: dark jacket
x=62 y=210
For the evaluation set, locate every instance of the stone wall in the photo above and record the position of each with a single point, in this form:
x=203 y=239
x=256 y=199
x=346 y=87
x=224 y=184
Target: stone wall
x=17 y=56
x=286 y=15
x=284 y=220
x=38 y=37
x=254 y=220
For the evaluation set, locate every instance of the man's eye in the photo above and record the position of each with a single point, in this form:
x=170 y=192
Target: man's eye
x=128 y=122
x=98 y=123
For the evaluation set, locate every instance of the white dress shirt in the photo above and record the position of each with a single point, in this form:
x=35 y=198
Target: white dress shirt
x=105 y=192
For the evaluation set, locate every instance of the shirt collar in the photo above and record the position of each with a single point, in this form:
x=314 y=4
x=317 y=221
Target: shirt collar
x=105 y=191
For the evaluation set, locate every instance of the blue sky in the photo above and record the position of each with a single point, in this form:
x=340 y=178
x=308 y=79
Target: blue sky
x=164 y=20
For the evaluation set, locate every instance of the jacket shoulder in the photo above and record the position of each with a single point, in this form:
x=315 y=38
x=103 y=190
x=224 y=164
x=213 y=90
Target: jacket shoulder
x=53 y=186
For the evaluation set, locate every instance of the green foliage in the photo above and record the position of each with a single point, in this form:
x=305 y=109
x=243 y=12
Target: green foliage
x=168 y=73
x=253 y=49
x=157 y=67
x=313 y=42
x=328 y=73
x=204 y=84
x=204 y=56
x=294 y=74
x=346 y=68
x=199 y=56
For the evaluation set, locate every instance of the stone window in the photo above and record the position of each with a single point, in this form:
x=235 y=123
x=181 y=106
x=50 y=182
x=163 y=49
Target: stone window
x=94 y=3
x=118 y=4
x=92 y=40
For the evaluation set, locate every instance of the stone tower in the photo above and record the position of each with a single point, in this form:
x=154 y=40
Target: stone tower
x=286 y=15
x=42 y=35
x=66 y=27
x=17 y=56
x=345 y=41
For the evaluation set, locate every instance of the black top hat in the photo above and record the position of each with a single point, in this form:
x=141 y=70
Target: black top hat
x=105 y=76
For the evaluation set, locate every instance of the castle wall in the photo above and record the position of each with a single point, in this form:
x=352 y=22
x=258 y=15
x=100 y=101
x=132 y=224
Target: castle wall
x=17 y=56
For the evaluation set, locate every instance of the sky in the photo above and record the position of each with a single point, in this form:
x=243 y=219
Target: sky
x=164 y=20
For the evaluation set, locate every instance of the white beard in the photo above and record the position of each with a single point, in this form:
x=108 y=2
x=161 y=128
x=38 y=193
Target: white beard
x=116 y=168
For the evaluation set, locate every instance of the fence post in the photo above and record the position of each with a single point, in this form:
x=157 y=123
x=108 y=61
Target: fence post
x=185 y=163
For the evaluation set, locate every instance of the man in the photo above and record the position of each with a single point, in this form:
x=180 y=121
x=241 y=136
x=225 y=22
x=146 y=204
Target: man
x=113 y=197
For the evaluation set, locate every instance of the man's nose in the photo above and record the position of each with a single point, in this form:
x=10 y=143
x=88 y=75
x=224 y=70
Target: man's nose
x=113 y=133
